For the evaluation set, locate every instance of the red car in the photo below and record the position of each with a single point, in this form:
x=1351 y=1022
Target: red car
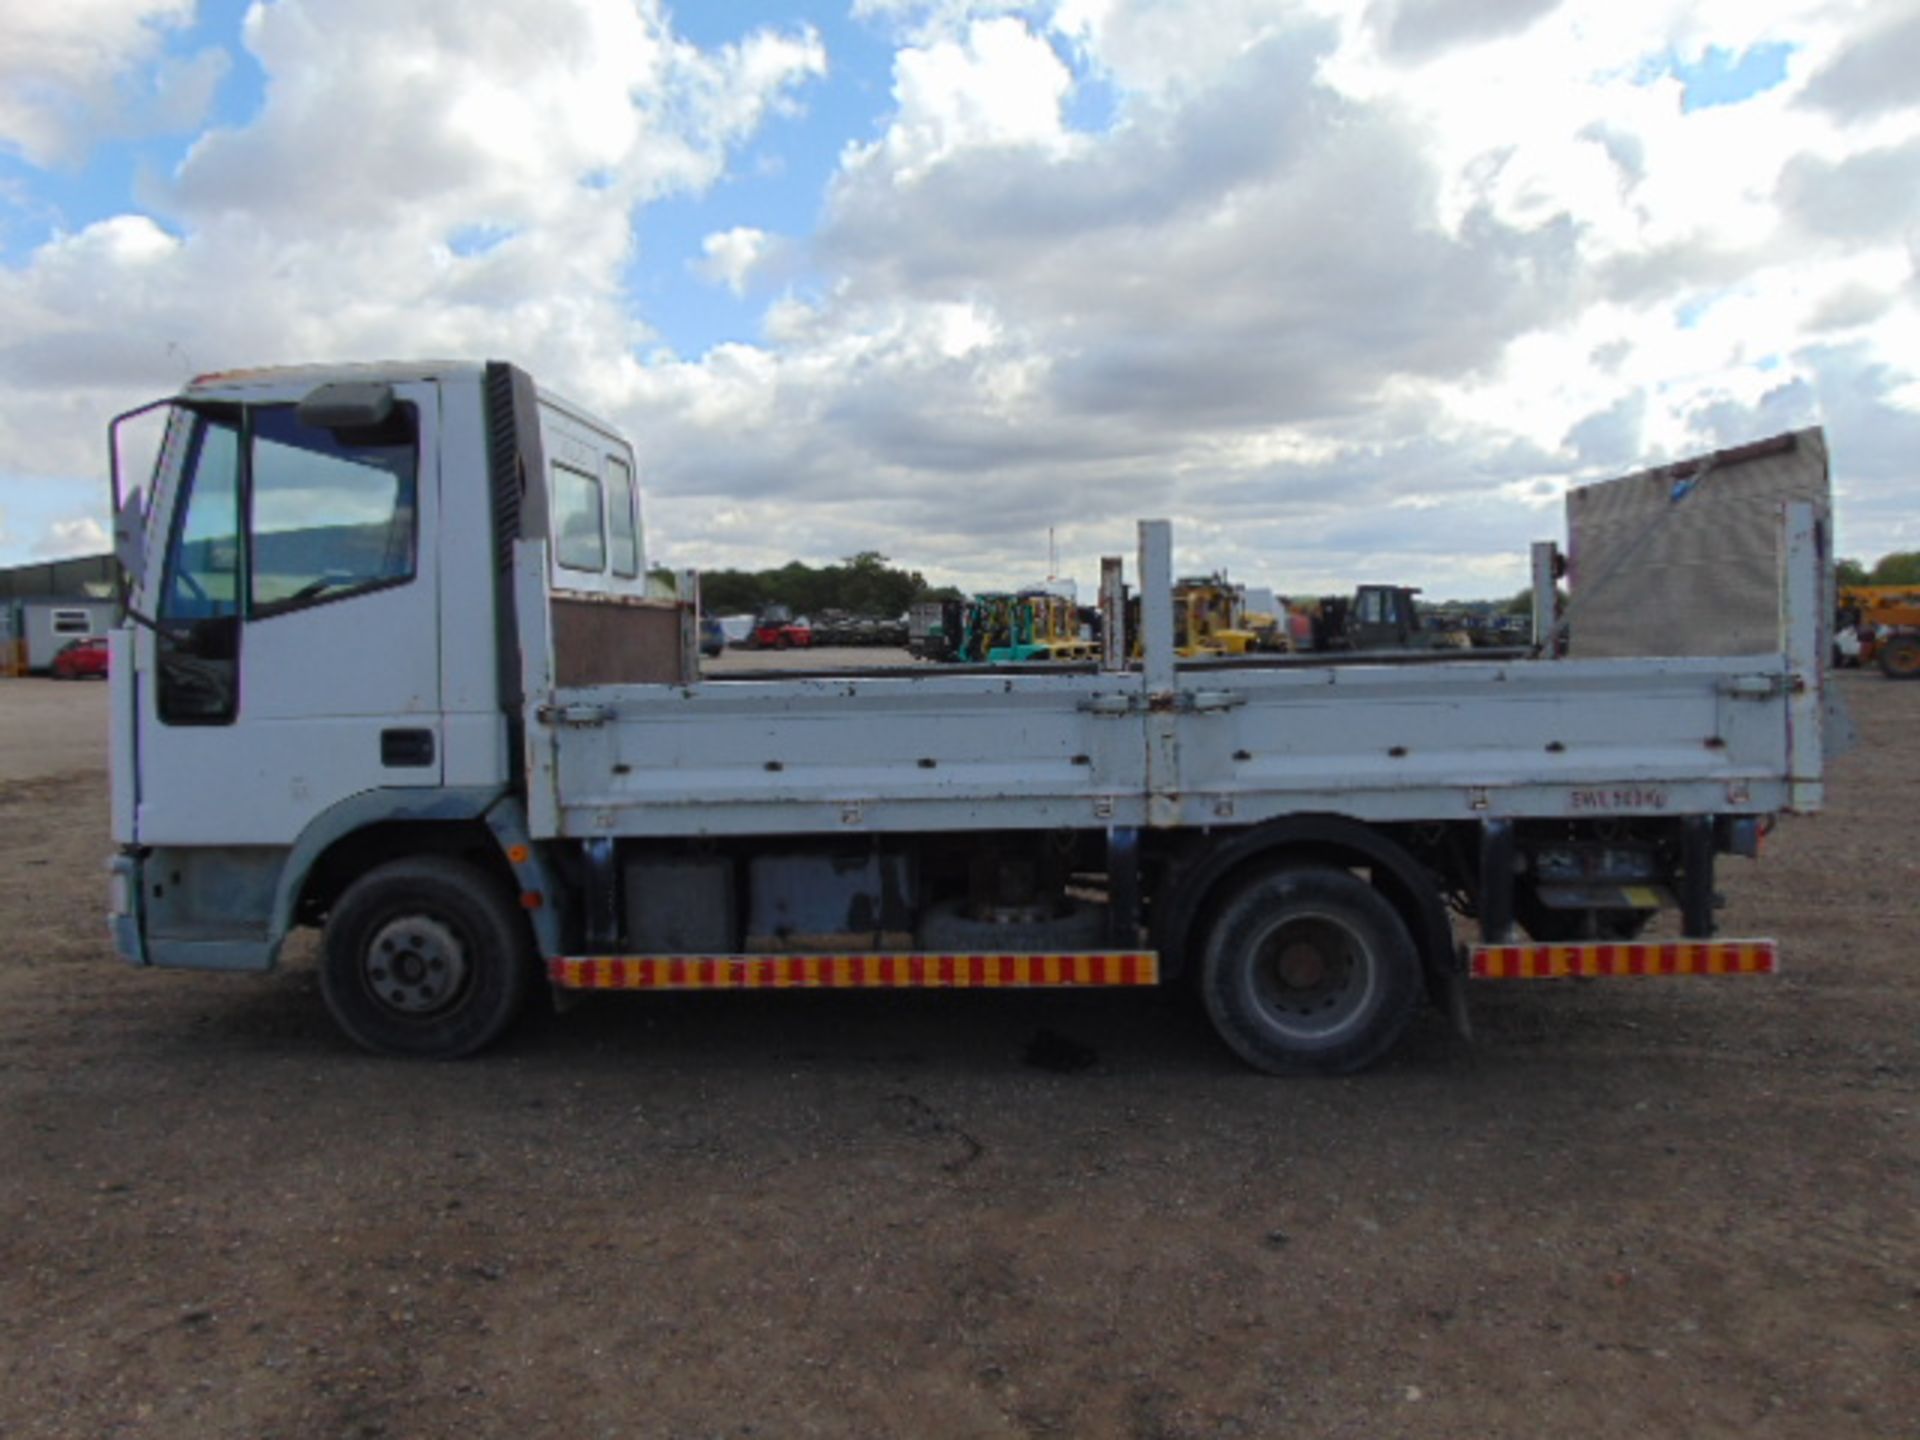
x=82 y=659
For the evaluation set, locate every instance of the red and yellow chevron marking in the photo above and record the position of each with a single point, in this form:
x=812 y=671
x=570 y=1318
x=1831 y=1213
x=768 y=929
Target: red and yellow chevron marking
x=1597 y=959
x=853 y=972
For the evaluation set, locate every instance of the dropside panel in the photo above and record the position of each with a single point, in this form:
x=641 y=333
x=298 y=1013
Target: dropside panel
x=1384 y=743
x=826 y=755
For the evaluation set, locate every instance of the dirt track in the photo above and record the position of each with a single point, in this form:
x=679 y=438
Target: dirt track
x=1652 y=1208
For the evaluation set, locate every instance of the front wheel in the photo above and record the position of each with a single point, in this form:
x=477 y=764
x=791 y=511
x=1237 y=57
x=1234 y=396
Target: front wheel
x=1900 y=657
x=1309 y=970
x=425 y=958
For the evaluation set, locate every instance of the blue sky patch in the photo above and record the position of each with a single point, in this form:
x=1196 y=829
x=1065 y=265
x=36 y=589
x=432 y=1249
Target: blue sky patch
x=1720 y=77
x=471 y=240
x=774 y=184
x=116 y=174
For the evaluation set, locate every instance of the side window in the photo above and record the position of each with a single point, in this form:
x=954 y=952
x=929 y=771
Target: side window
x=624 y=538
x=333 y=512
x=1370 y=608
x=199 y=621
x=579 y=525
x=203 y=562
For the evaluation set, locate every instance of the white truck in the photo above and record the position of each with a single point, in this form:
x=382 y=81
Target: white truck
x=388 y=668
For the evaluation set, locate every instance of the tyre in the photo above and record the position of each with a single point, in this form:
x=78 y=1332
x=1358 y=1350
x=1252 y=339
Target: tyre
x=425 y=958
x=1309 y=970
x=1900 y=657
x=946 y=926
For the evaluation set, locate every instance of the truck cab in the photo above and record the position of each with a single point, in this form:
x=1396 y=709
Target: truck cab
x=1384 y=617
x=316 y=629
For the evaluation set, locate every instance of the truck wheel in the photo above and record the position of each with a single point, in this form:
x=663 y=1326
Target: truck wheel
x=1900 y=657
x=1308 y=970
x=425 y=958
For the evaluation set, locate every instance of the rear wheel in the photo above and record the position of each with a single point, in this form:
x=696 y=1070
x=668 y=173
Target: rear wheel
x=425 y=958
x=1309 y=970
x=1900 y=657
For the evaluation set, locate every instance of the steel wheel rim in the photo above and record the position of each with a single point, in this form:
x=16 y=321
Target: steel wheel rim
x=415 y=965
x=1313 y=976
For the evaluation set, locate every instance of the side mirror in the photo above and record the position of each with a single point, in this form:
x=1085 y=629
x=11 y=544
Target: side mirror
x=129 y=537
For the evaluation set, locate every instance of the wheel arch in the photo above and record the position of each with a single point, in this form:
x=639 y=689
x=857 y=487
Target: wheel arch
x=347 y=840
x=1199 y=888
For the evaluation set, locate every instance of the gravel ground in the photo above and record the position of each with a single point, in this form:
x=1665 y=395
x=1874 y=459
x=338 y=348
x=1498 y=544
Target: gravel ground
x=1635 y=1208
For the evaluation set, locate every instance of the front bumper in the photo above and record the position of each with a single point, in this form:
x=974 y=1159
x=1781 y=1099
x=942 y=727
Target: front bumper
x=124 y=920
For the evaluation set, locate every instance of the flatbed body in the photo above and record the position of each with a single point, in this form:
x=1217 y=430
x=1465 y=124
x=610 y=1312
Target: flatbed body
x=1231 y=744
x=391 y=668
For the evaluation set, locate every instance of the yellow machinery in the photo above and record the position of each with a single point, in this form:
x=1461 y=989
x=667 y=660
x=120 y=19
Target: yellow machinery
x=1887 y=620
x=1269 y=631
x=1209 y=618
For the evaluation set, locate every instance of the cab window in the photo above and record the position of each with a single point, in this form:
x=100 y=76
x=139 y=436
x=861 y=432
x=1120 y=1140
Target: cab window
x=203 y=560
x=198 y=648
x=333 y=512
x=624 y=534
x=579 y=522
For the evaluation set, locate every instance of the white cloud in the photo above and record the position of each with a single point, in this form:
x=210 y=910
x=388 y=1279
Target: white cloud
x=1377 y=286
x=1166 y=51
x=1000 y=85
x=1871 y=72
x=1349 y=292
x=65 y=73
x=326 y=228
x=79 y=535
x=731 y=256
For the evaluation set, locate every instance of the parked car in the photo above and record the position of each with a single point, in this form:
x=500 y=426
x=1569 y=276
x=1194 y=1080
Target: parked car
x=84 y=659
x=713 y=636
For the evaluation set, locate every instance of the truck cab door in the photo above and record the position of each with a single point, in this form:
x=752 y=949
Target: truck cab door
x=292 y=658
x=1383 y=618
x=1371 y=623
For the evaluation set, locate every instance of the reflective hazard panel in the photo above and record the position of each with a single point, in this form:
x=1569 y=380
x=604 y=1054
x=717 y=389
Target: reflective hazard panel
x=854 y=972
x=1597 y=959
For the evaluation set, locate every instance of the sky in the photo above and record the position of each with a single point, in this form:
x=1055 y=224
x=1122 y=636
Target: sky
x=1349 y=290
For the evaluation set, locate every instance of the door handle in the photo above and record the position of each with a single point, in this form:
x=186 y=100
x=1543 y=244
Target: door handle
x=406 y=749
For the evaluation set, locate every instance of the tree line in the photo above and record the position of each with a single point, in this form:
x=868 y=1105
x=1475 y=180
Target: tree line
x=863 y=584
x=1902 y=567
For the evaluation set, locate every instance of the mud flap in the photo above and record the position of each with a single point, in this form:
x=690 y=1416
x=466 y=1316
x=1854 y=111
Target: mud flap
x=1451 y=991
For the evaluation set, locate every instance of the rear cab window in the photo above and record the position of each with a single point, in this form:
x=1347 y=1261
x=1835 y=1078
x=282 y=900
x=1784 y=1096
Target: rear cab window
x=593 y=512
